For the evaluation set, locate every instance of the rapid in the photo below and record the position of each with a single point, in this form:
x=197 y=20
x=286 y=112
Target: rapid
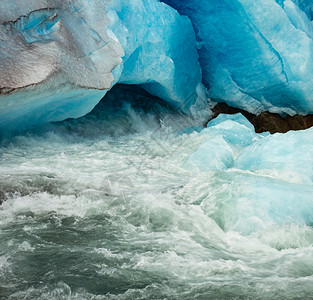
x=105 y=207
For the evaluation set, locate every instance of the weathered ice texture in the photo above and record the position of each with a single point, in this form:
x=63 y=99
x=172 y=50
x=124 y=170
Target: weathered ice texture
x=58 y=58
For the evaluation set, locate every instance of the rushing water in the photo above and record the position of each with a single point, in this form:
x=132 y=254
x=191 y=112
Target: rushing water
x=104 y=208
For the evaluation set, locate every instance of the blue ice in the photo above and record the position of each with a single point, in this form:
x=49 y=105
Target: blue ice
x=160 y=50
x=268 y=178
x=58 y=63
x=255 y=55
x=291 y=153
x=249 y=203
x=226 y=135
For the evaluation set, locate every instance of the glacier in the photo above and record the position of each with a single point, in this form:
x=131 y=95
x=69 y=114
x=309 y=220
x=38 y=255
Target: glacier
x=48 y=72
x=255 y=55
x=130 y=195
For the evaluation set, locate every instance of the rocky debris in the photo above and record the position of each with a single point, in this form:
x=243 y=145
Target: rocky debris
x=267 y=121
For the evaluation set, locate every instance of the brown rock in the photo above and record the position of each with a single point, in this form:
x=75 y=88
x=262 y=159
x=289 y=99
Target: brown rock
x=267 y=121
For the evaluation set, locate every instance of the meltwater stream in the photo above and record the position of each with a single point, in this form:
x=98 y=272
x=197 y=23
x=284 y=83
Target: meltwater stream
x=104 y=207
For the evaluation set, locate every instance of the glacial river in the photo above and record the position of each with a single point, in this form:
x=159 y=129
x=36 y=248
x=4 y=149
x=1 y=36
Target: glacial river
x=104 y=207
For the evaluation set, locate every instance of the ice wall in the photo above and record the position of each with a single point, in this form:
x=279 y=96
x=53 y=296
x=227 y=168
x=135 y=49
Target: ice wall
x=58 y=58
x=255 y=55
x=160 y=50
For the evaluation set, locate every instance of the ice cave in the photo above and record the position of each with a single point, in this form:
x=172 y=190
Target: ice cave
x=156 y=149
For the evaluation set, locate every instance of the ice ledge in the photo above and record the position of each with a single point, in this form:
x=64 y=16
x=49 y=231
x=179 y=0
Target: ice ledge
x=54 y=52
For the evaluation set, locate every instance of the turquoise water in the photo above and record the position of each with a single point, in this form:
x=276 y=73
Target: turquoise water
x=104 y=208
